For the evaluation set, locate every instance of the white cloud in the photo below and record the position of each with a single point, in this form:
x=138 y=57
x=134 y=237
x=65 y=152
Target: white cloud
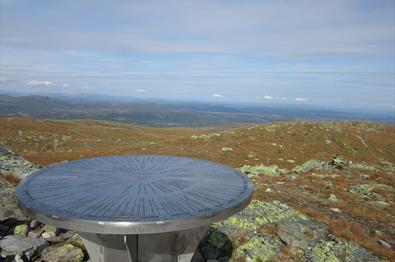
x=218 y=95
x=338 y=99
x=268 y=97
x=39 y=83
x=283 y=98
x=140 y=90
x=301 y=99
x=65 y=85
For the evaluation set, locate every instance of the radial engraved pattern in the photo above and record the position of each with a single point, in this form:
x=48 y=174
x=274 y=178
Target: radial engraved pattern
x=134 y=188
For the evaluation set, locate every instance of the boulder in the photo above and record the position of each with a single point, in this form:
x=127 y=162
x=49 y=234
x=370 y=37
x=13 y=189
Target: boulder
x=258 y=248
x=8 y=206
x=261 y=169
x=19 y=245
x=62 y=252
x=21 y=230
x=15 y=164
x=301 y=233
x=338 y=249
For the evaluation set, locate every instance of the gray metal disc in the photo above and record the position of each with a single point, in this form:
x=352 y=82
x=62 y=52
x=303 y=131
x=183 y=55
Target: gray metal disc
x=134 y=194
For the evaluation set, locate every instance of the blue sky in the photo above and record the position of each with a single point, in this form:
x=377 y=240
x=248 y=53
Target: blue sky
x=337 y=53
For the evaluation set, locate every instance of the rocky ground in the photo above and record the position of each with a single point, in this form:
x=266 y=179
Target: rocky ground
x=330 y=200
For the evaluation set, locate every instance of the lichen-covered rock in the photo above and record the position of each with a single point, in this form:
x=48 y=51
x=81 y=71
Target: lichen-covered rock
x=256 y=215
x=8 y=206
x=75 y=240
x=301 y=233
x=337 y=162
x=339 y=249
x=362 y=166
x=216 y=238
x=49 y=228
x=365 y=190
x=252 y=171
x=309 y=165
x=21 y=230
x=258 y=249
x=62 y=252
x=215 y=245
x=16 y=244
x=205 y=137
x=15 y=164
x=333 y=198
x=226 y=149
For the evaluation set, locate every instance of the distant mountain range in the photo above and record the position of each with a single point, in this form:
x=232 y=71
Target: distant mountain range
x=166 y=113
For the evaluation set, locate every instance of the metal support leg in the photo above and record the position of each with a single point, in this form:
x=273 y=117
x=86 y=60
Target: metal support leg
x=105 y=248
x=164 y=247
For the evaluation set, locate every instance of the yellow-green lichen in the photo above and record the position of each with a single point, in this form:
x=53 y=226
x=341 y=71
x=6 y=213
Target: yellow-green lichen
x=49 y=228
x=339 y=249
x=324 y=253
x=62 y=253
x=258 y=248
x=258 y=214
x=21 y=230
x=261 y=169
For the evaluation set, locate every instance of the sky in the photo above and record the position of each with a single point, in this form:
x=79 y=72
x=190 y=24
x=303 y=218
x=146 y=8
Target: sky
x=337 y=53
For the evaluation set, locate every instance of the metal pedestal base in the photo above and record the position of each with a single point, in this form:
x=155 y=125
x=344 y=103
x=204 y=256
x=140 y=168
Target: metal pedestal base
x=163 y=247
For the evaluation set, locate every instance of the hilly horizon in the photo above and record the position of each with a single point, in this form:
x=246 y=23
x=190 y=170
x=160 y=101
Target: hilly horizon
x=162 y=113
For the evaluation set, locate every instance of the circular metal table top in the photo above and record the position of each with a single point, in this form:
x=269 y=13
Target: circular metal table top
x=135 y=194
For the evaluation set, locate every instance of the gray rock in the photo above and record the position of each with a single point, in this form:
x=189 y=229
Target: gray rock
x=34 y=223
x=18 y=258
x=15 y=164
x=384 y=243
x=47 y=235
x=258 y=248
x=67 y=234
x=36 y=233
x=8 y=206
x=338 y=249
x=16 y=244
x=4 y=229
x=301 y=233
x=210 y=252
